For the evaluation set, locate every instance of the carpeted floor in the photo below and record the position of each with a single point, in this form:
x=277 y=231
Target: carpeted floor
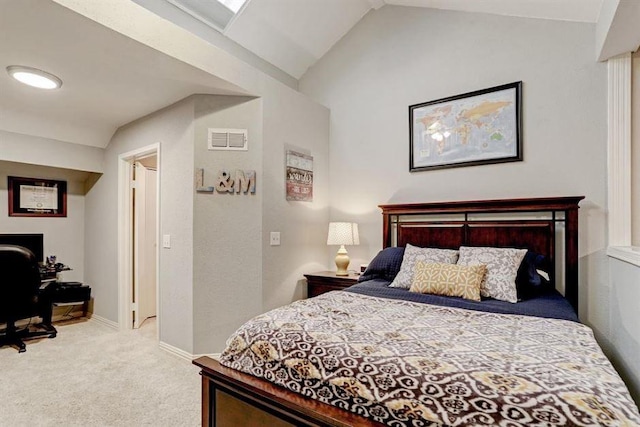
x=91 y=375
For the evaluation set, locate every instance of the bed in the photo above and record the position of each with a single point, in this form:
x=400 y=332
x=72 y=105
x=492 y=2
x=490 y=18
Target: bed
x=378 y=355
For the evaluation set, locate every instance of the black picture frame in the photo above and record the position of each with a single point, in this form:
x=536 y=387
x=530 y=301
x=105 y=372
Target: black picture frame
x=44 y=197
x=474 y=128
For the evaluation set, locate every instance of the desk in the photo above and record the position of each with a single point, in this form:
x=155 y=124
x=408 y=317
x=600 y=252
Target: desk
x=61 y=293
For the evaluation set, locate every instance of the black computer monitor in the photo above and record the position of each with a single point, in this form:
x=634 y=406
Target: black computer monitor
x=33 y=242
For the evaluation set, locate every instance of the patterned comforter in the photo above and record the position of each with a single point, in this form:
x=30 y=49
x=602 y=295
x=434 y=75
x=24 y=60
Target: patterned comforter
x=408 y=364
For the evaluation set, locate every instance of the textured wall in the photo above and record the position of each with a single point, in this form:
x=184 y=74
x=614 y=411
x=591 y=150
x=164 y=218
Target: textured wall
x=227 y=253
x=237 y=274
x=172 y=127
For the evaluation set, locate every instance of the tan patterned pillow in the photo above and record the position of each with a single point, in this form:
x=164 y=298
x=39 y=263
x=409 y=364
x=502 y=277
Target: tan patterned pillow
x=448 y=279
x=413 y=254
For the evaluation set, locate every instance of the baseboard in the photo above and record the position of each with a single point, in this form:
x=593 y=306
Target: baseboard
x=184 y=354
x=110 y=323
x=175 y=351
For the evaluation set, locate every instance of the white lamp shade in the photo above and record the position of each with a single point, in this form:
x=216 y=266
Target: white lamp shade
x=343 y=233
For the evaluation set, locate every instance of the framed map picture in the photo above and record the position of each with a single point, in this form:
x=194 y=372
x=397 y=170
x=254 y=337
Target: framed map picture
x=37 y=197
x=474 y=128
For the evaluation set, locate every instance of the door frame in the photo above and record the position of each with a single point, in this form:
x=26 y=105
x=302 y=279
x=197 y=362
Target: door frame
x=125 y=219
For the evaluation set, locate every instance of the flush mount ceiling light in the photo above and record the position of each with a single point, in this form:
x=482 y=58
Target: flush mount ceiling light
x=34 y=77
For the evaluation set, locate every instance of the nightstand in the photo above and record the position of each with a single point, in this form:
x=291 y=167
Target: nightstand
x=326 y=281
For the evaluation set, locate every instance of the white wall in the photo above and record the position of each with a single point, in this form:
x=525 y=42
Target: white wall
x=63 y=237
x=172 y=127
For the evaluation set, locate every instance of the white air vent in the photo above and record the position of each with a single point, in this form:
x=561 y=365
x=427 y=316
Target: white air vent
x=227 y=139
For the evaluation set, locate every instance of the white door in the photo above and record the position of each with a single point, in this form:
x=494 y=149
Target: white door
x=144 y=244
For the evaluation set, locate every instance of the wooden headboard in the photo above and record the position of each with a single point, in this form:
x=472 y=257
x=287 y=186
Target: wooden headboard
x=536 y=224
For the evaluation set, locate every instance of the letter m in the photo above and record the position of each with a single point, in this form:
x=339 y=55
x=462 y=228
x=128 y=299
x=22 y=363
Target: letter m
x=245 y=181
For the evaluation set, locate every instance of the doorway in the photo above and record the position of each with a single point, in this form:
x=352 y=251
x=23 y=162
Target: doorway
x=138 y=231
x=144 y=240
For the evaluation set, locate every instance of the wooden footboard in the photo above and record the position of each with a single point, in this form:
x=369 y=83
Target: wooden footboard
x=232 y=398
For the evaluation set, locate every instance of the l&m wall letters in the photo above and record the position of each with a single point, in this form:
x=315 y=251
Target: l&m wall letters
x=240 y=182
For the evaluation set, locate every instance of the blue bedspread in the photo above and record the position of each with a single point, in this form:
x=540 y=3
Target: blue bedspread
x=550 y=305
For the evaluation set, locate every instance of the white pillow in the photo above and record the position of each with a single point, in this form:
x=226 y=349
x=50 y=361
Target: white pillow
x=413 y=254
x=502 y=269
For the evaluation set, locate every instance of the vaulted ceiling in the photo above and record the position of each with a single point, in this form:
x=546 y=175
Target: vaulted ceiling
x=111 y=80
x=294 y=34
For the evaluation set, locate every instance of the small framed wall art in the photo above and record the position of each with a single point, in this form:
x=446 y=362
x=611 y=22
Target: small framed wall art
x=37 y=197
x=474 y=128
x=299 y=176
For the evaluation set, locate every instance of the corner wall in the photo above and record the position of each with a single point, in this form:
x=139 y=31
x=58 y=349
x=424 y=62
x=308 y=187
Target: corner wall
x=237 y=274
x=63 y=237
x=292 y=122
x=227 y=249
x=172 y=127
x=289 y=120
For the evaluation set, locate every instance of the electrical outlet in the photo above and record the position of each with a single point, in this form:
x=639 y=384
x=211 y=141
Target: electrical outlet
x=274 y=240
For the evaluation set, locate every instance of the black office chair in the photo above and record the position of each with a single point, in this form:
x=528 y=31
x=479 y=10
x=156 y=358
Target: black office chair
x=19 y=288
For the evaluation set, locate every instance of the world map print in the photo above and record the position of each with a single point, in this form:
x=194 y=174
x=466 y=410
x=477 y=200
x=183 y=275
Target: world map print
x=469 y=129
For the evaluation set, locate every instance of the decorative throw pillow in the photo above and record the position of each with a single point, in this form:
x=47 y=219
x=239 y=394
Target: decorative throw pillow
x=529 y=282
x=385 y=265
x=451 y=280
x=502 y=269
x=413 y=254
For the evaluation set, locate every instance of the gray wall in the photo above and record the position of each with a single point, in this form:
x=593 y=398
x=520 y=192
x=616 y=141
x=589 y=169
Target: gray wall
x=172 y=127
x=396 y=57
x=399 y=56
x=220 y=270
x=293 y=122
x=635 y=150
x=227 y=249
x=625 y=323
x=237 y=274
x=63 y=237
x=16 y=147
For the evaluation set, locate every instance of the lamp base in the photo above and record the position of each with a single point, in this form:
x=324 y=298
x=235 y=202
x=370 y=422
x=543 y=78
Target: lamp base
x=342 y=262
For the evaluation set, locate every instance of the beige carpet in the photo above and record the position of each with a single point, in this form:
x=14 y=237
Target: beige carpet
x=91 y=375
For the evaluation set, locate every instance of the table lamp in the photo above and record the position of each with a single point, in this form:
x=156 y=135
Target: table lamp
x=343 y=233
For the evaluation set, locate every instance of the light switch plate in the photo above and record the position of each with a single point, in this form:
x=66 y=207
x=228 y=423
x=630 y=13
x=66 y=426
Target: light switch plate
x=274 y=239
x=166 y=241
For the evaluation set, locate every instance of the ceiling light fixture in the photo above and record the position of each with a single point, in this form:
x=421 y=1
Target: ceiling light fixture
x=34 y=77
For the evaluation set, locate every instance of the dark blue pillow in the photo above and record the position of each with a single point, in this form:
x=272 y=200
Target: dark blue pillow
x=528 y=281
x=385 y=265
